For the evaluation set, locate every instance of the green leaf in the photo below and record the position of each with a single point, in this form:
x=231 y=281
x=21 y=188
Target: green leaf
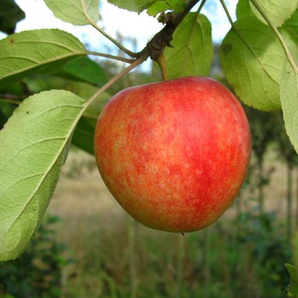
x=289 y=102
x=291 y=42
x=33 y=144
x=83 y=136
x=163 y=5
x=10 y=14
x=291 y=25
x=294 y=290
x=295 y=248
x=6 y=110
x=36 y=51
x=278 y=11
x=293 y=286
x=243 y=9
x=76 y=12
x=192 y=50
x=289 y=32
x=292 y=271
x=253 y=62
x=84 y=69
x=133 y=5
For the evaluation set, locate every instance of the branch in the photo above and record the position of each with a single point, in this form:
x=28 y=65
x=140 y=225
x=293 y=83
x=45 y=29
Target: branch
x=162 y=39
x=153 y=49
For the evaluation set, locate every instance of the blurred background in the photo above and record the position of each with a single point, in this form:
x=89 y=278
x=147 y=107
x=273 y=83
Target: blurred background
x=88 y=246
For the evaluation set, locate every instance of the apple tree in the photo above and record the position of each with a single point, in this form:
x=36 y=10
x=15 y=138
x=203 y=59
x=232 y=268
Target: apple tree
x=38 y=124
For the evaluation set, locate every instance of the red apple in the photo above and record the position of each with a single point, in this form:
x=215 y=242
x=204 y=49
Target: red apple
x=174 y=154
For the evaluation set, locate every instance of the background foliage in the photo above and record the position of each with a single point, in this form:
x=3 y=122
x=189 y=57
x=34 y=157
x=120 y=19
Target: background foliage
x=50 y=98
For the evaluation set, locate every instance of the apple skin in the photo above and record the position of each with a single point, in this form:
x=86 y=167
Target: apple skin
x=174 y=154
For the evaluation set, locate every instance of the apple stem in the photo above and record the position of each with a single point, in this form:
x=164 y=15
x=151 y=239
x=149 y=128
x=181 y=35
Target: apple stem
x=162 y=65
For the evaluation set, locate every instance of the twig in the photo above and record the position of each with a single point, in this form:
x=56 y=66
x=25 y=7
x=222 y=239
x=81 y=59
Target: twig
x=10 y=100
x=114 y=41
x=201 y=5
x=153 y=49
x=162 y=39
x=226 y=11
x=118 y=58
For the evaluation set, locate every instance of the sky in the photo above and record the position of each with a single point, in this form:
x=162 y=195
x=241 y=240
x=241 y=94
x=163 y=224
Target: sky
x=38 y=16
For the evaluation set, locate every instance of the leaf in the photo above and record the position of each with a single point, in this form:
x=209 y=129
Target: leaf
x=83 y=136
x=243 y=9
x=289 y=31
x=192 y=50
x=133 y=5
x=292 y=271
x=10 y=14
x=278 y=11
x=289 y=102
x=84 y=69
x=293 y=286
x=292 y=44
x=163 y=5
x=33 y=144
x=291 y=25
x=253 y=62
x=295 y=249
x=6 y=110
x=294 y=290
x=36 y=51
x=75 y=12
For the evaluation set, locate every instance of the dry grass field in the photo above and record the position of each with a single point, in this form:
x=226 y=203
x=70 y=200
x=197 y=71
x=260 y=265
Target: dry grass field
x=104 y=241
x=81 y=192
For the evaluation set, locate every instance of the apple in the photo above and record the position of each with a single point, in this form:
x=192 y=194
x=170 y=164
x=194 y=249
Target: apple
x=174 y=154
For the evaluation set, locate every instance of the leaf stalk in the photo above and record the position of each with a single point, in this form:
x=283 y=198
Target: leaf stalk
x=134 y=64
x=114 y=41
x=227 y=12
x=278 y=35
x=118 y=58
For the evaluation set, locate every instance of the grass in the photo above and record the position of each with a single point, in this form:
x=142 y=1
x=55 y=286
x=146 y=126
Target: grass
x=116 y=257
